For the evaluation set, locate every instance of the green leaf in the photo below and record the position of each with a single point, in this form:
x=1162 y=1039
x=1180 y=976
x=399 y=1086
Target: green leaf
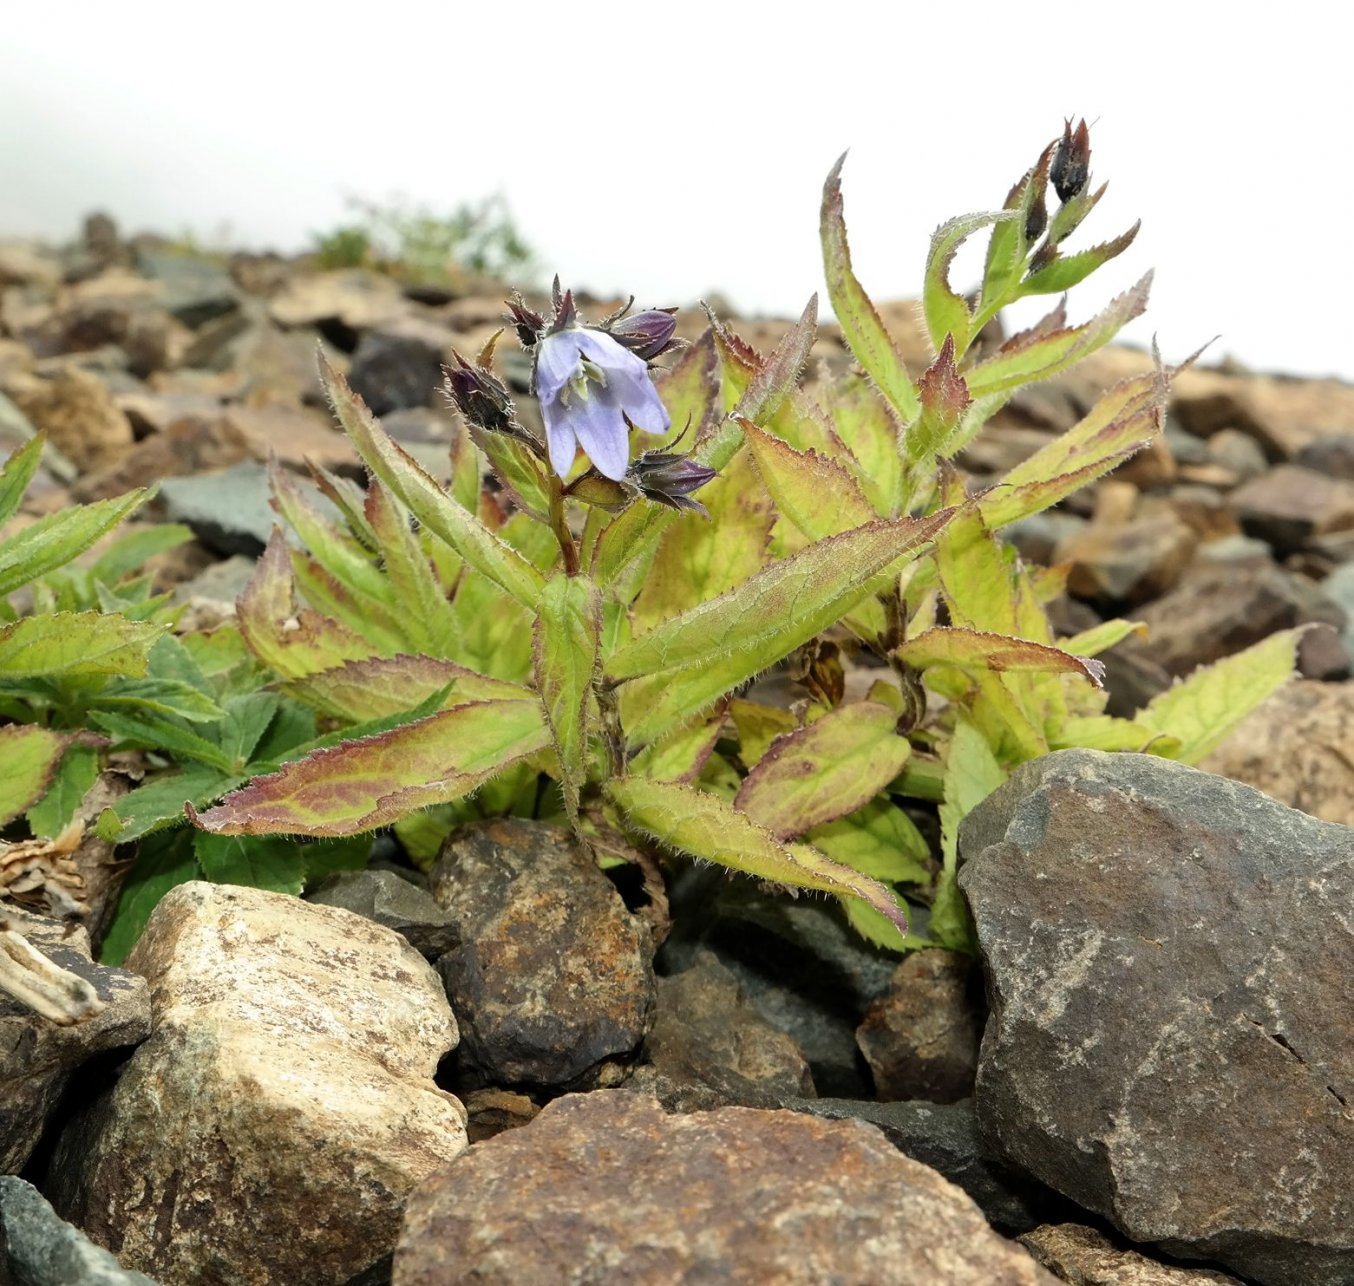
x=79 y=771
x=248 y=717
x=517 y=469
x=824 y=771
x=1104 y=732
x=705 y=826
x=380 y=686
x=326 y=857
x=813 y=491
x=681 y=755
x=871 y=431
x=155 y=732
x=1067 y=271
x=437 y=511
x=878 y=840
x=55 y=539
x=773 y=612
x=878 y=930
x=30 y=756
x=292 y=727
x=1008 y=247
x=271 y=862
x=162 y=696
x=864 y=332
x=15 y=477
x=979 y=650
x=359 y=785
x=566 y=656
x=163 y=862
x=130 y=552
x=1045 y=354
x=1100 y=638
x=690 y=390
x=946 y=312
x=758 y=726
x=76 y=645
x=160 y=802
x=1201 y=710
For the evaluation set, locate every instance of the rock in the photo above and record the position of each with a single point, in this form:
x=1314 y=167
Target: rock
x=490 y=1111
x=1204 y=510
x=1322 y=655
x=37 y=1248
x=1154 y=466
x=1339 y=588
x=340 y=304
x=1290 y=505
x=1082 y=1256
x=801 y=966
x=1037 y=536
x=218 y=586
x=551 y=977
x=1220 y=607
x=22 y=264
x=946 y=1138
x=1332 y=456
x=399 y=367
x=1238 y=453
x=1167 y=957
x=283 y=1108
x=78 y=414
x=706 y=1033
x=1282 y=415
x=605 y=1187
x=295 y=435
x=1000 y=447
x=1296 y=748
x=227 y=509
x=384 y=897
x=189 y=445
x=37 y=1057
x=1127 y=562
x=194 y=289
x=921 y=1038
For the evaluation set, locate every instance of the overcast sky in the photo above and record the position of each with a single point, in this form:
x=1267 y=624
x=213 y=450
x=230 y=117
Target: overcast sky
x=678 y=149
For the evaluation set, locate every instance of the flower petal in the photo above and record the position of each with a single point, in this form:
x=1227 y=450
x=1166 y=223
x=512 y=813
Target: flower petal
x=627 y=379
x=560 y=439
x=556 y=363
x=602 y=433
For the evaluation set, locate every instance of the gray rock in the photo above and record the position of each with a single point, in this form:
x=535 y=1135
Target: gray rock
x=228 y=510
x=1339 y=588
x=220 y=583
x=946 y=1138
x=386 y=898
x=1238 y=453
x=393 y=370
x=552 y=978
x=1332 y=455
x=195 y=289
x=38 y=1248
x=1289 y=506
x=605 y=1187
x=1167 y=957
x=37 y=1057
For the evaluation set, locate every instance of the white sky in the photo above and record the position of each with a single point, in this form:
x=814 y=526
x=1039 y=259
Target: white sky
x=675 y=149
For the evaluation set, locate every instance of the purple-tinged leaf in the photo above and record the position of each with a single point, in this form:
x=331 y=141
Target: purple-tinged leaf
x=359 y=785
x=944 y=399
x=864 y=331
x=813 y=491
x=703 y=825
x=977 y=650
x=824 y=771
x=682 y=755
x=1009 y=243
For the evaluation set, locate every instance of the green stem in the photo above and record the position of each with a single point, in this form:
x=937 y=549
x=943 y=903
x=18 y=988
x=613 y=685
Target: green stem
x=560 y=527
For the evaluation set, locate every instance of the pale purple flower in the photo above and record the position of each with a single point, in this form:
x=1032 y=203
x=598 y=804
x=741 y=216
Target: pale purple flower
x=588 y=384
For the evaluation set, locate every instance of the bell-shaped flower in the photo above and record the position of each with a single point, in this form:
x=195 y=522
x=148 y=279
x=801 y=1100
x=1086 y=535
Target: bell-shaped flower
x=591 y=390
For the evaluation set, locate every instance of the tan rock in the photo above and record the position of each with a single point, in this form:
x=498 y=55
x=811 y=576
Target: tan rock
x=283 y=1108
x=78 y=413
x=1283 y=415
x=1297 y=748
x=354 y=298
x=1082 y=1256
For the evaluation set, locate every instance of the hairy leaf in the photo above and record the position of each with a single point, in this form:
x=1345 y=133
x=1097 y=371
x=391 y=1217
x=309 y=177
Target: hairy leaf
x=872 y=433
x=1067 y=271
x=568 y=629
x=18 y=472
x=517 y=468
x=813 y=491
x=436 y=510
x=30 y=756
x=76 y=645
x=946 y=312
x=861 y=326
x=359 y=785
x=824 y=771
x=52 y=541
x=160 y=802
x=944 y=399
x=878 y=840
x=681 y=755
x=694 y=822
x=980 y=650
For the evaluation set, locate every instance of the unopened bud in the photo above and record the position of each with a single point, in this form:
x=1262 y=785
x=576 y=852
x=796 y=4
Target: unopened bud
x=527 y=322
x=670 y=479
x=479 y=395
x=602 y=493
x=1072 y=161
x=646 y=334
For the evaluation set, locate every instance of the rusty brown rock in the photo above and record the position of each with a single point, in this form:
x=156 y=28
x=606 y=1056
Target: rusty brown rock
x=1128 y=562
x=552 y=978
x=604 y=1187
x=921 y=1038
x=283 y=1108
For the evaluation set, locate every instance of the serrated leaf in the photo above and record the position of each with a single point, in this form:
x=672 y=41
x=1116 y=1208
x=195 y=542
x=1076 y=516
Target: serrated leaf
x=436 y=510
x=1202 y=709
x=290 y=640
x=517 y=469
x=944 y=399
x=380 y=686
x=163 y=862
x=130 y=552
x=773 y=612
x=703 y=825
x=813 y=491
x=878 y=930
x=272 y=862
x=871 y=431
x=864 y=332
x=1067 y=271
x=76 y=645
x=758 y=726
x=54 y=540
x=77 y=772
x=360 y=785
x=1008 y=246
x=824 y=771
x=1013 y=367
x=30 y=755
x=981 y=650
x=690 y=390
x=160 y=802
x=15 y=477
x=247 y=718
x=680 y=756
x=156 y=732
x=946 y=312
x=878 y=840
x=493 y=632
x=162 y=696
x=566 y=659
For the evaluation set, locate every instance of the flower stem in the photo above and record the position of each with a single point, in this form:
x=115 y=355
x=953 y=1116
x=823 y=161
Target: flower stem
x=560 y=527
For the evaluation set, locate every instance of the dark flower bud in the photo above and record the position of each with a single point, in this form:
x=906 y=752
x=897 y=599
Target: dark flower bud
x=1036 y=220
x=527 y=322
x=646 y=334
x=480 y=396
x=1072 y=161
x=669 y=479
x=566 y=312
